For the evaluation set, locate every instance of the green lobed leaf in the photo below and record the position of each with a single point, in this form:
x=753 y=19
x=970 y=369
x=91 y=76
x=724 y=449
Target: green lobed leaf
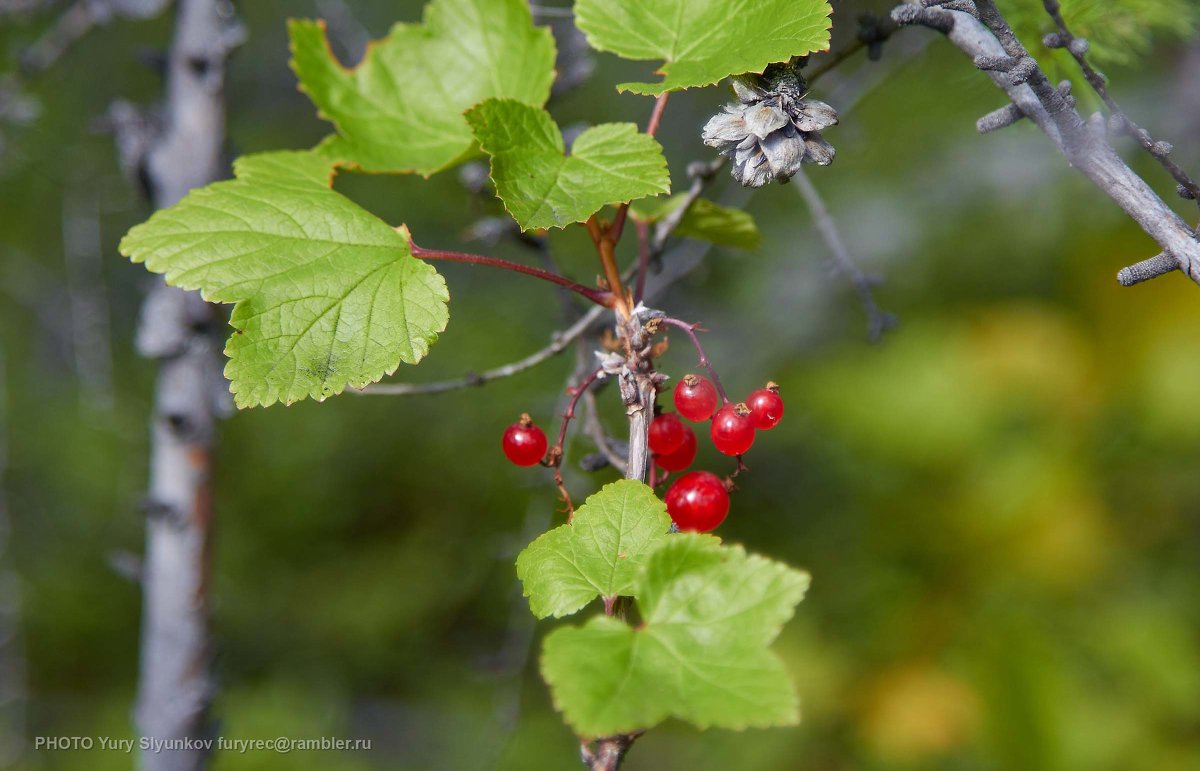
x=709 y=612
x=541 y=186
x=704 y=221
x=326 y=294
x=598 y=554
x=703 y=41
x=401 y=109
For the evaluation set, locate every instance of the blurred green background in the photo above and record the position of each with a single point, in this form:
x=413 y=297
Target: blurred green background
x=999 y=505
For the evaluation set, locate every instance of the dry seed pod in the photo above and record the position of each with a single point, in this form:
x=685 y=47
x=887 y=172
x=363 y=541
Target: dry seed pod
x=772 y=129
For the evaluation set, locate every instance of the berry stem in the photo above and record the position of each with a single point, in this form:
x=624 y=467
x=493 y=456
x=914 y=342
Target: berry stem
x=555 y=456
x=598 y=296
x=690 y=331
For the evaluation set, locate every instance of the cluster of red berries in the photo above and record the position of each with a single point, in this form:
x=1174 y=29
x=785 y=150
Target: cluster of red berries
x=699 y=500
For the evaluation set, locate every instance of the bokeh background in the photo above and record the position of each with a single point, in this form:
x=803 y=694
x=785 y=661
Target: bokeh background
x=999 y=504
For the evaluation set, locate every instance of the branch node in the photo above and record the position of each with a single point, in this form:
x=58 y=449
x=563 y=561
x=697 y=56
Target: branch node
x=1185 y=193
x=1053 y=40
x=1162 y=149
x=1078 y=46
x=963 y=6
x=996 y=63
x=1023 y=71
x=1158 y=265
x=999 y=119
x=934 y=18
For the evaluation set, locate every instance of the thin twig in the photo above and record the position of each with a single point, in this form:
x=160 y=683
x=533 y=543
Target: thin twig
x=598 y=296
x=702 y=175
x=1078 y=47
x=878 y=321
x=554 y=457
x=559 y=344
x=872 y=33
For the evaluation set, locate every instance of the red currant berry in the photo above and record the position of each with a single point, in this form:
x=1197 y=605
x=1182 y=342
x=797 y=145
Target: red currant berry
x=681 y=458
x=698 y=501
x=667 y=434
x=696 y=398
x=766 y=407
x=732 y=429
x=524 y=443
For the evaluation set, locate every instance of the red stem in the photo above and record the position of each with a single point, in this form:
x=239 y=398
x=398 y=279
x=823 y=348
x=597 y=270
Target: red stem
x=690 y=331
x=556 y=452
x=598 y=296
x=660 y=104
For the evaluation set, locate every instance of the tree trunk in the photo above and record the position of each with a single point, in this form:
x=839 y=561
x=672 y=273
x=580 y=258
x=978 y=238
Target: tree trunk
x=178 y=329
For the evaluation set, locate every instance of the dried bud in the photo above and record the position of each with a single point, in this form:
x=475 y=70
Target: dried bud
x=771 y=131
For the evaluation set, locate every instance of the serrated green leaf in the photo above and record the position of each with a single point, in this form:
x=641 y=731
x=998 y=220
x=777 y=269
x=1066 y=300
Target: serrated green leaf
x=704 y=221
x=703 y=41
x=326 y=294
x=541 y=187
x=401 y=109
x=598 y=554
x=709 y=612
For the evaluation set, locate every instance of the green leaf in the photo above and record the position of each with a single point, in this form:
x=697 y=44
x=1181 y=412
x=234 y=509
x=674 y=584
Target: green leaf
x=704 y=221
x=704 y=41
x=541 y=187
x=327 y=295
x=401 y=109
x=709 y=612
x=598 y=554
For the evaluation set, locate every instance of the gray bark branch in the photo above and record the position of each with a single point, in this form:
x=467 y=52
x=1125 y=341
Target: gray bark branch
x=1084 y=143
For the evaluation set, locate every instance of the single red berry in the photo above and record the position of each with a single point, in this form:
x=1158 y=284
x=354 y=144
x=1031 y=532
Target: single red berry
x=698 y=501
x=766 y=407
x=732 y=429
x=681 y=458
x=696 y=398
x=667 y=434
x=524 y=443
